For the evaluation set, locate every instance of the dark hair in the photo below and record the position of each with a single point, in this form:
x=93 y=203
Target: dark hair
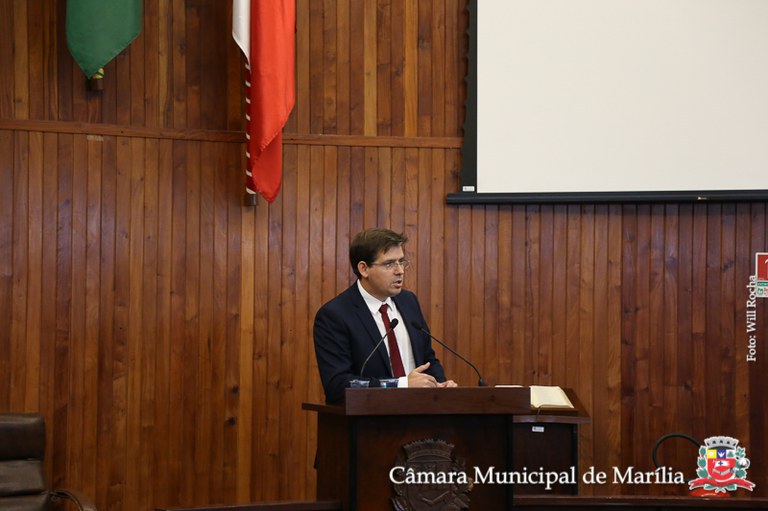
x=368 y=244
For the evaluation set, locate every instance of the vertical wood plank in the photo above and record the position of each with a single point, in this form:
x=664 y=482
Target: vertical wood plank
x=17 y=264
x=7 y=157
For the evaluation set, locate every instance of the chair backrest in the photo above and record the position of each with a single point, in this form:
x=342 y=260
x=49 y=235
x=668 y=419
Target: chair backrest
x=22 y=447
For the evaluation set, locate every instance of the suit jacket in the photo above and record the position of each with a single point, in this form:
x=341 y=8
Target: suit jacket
x=345 y=333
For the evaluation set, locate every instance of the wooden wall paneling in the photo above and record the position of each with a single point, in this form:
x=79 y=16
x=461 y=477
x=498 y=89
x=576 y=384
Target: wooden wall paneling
x=438 y=59
x=645 y=348
x=698 y=320
x=389 y=191
x=195 y=376
x=165 y=52
x=518 y=279
x=451 y=281
x=50 y=79
x=383 y=91
x=558 y=249
x=178 y=450
x=63 y=314
x=303 y=316
x=178 y=71
x=117 y=385
x=149 y=209
x=6 y=62
x=369 y=68
x=683 y=336
x=396 y=70
x=7 y=173
x=342 y=63
x=230 y=236
x=758 y=411
x=315 y=56
x=163 y=311
x=21 y=54
x=137 y=84
x=455 y=69
x=474 y=269
x=610 y=401
x=728 y=310
x=45 y=145
x=572 y=293
x=214 y=78
x=502 y=350
x=33 y=68
x=424 y=55
x=460 y=312
x=36 y=275
x=213 y=335
x=490 y=302
x=274 y=340
x=330 y=73
x=354 y=65
x=370 y=190
x=545 y=313
x=92 y=315
x=409 y=218
x=410 y=73
x=77 y=392
x=437 y=247
x=668 y=248
x=192 y=33
x=630 y=265
x=533 y=268
x=209 y=400
x=18 y=196
x=313 y=196
x=134 y=243
x=588 y=340
x=290 y=354
x=715 y=375
x=252 y=261
x=420 y=229
x=151 y=62
x=743 y=267
x=72 y=103
x=328 y=181
x=106 y=228
x=657 y=305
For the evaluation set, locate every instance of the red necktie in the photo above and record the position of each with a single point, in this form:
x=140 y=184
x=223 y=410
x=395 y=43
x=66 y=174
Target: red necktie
x=394 y=351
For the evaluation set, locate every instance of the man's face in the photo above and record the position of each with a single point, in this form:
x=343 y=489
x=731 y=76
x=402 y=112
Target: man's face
x=379 y=281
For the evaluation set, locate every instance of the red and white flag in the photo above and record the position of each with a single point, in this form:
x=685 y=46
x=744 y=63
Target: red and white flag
x=265 y=31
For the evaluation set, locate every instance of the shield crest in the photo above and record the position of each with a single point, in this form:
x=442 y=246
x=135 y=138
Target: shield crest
x=720 y=464
x=431 y=456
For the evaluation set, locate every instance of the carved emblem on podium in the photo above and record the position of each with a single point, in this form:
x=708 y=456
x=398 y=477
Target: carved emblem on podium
x=429 y=477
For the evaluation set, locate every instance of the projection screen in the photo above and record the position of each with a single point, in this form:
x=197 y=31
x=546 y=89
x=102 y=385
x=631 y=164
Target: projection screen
x=573 y=100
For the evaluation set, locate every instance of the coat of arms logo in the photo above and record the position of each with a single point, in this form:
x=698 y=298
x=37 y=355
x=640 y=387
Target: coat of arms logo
x=431 y=457
x=722 y=466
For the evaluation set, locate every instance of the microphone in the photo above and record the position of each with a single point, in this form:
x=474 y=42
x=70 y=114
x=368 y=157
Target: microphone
x=415 y=324
x=392 y=326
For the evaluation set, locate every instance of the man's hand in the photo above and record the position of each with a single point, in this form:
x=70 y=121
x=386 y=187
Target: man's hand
x=447 y=383
x=419 y=379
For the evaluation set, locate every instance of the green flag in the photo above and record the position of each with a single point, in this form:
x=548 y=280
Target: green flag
x=97 y=30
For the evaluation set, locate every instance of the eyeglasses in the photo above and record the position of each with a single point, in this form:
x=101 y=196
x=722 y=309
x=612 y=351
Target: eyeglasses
x=390 y=265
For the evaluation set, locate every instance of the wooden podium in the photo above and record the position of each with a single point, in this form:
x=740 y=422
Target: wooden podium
x=447 y=430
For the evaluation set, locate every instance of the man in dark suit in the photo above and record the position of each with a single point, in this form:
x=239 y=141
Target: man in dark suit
x=348 y=327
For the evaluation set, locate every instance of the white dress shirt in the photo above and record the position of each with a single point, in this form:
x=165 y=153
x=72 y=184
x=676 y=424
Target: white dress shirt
x=401 y=332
